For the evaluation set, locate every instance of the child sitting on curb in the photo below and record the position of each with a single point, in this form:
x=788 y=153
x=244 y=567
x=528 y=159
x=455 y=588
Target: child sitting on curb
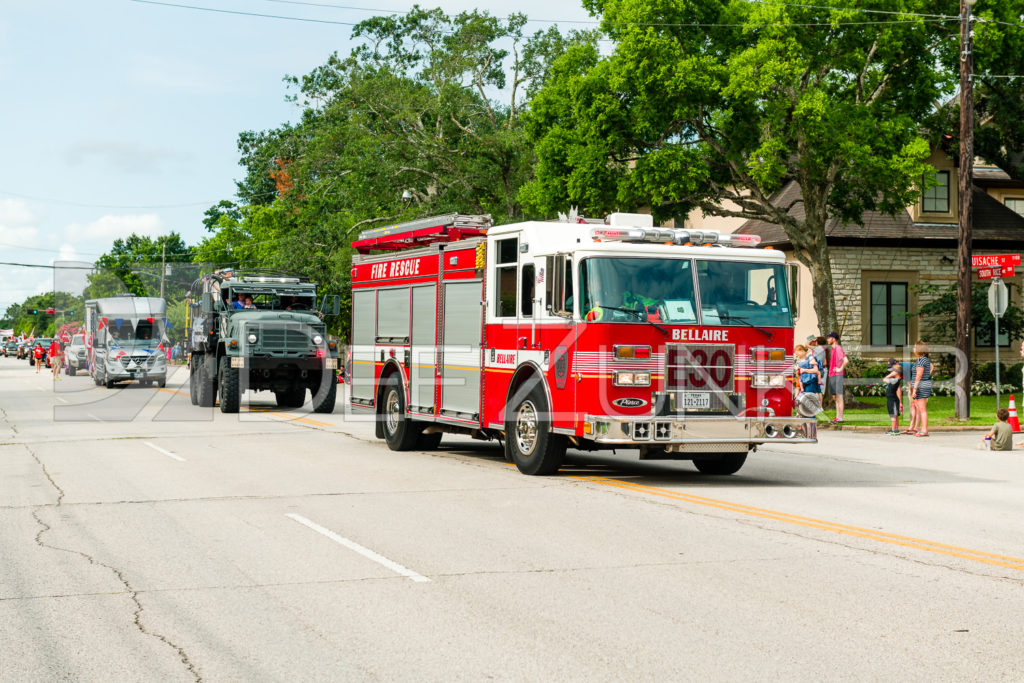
x=1001 y=432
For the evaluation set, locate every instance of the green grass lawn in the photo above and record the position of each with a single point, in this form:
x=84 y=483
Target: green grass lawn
x=940 y=411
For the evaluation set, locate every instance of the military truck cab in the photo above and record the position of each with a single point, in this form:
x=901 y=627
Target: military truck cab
x=260 y=333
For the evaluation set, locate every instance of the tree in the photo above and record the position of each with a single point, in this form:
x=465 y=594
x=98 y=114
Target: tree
x=411 y=111
x=719 y=105
x=121 y=270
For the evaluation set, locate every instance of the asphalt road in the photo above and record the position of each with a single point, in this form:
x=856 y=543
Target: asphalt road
x=143 y=538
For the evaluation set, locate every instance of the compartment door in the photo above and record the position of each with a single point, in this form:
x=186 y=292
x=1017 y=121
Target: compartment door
x=463 y=324
x=364 y=321
x=424 y=349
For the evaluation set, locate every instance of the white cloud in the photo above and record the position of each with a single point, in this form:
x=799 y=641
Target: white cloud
x=109 y=227
x=68 y=253
x=163 y=73
x=17 y=224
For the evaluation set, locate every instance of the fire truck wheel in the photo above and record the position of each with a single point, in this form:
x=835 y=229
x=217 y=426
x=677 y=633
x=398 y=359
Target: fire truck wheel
x=227 y=381
x=400 y=432
x=428 y=442
x=528 y=438
x=727 y=463
x=193 y=384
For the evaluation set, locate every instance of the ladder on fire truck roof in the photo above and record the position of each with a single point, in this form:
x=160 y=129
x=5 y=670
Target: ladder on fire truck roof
x=449 y=227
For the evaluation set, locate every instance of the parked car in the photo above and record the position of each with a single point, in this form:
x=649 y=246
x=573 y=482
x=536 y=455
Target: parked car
x=75 y=355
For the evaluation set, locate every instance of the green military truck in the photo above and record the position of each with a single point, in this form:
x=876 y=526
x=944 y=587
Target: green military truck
x=260 y=332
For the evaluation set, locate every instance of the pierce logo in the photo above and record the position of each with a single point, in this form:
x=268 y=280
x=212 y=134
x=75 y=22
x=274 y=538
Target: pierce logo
x=629 y=402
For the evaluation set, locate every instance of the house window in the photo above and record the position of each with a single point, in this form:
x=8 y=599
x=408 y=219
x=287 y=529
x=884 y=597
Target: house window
x=1015 y=204
x=936 y=198
x=888 y=309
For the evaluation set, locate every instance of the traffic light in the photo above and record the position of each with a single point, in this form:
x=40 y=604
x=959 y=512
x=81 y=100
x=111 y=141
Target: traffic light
x=35 y=311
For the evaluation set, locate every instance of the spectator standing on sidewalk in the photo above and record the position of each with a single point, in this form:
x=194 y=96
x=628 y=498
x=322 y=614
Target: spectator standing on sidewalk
x=893 y=396
x=837 y=375
x=921 y=386
x=817 y=348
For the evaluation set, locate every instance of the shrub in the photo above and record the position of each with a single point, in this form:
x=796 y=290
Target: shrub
x=986 y=372
x=876 y=371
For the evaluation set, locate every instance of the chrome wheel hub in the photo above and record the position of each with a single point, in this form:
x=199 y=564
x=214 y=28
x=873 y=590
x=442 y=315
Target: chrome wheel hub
x=526 y=427
x=391 y=412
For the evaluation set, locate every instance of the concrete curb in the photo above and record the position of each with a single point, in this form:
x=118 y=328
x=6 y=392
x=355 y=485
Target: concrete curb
x=931 y=428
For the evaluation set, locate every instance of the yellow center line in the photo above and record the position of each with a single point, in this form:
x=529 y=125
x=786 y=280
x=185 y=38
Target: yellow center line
x=1006 y=561
x=268 y=411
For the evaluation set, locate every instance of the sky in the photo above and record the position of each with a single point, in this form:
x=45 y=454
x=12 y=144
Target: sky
x=122 y=116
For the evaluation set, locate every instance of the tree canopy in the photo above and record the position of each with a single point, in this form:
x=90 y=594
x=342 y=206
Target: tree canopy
x=718 y=105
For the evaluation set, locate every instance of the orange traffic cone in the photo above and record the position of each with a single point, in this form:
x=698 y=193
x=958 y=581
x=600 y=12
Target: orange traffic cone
x=1014 y=422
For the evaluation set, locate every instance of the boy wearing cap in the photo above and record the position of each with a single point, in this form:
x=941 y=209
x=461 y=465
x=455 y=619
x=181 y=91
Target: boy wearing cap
x=837 y=375
x=893 y=396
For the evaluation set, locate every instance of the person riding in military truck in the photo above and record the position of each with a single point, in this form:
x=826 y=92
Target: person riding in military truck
x=269 y=343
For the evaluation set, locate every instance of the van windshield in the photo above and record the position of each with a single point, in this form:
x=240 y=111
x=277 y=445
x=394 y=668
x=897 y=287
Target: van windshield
x=145 y=333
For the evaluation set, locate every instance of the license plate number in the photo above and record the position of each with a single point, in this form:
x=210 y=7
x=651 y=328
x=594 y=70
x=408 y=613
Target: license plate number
x=331 y=363
x=696 y=401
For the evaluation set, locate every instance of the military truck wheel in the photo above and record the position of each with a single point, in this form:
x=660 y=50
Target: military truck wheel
x=323 y=400
x=291 y=398
x=227 y=381
x=727 y=463
x=193 y=385
x=529 y=442
x=400 y=432
x=206 y=390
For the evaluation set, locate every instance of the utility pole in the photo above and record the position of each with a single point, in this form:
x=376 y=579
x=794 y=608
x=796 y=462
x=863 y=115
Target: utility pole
x=965 y=190
x=163 y=268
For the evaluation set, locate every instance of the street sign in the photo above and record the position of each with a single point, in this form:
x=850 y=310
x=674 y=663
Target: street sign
x=989 y=273
x=990 y=260
x=998 y=298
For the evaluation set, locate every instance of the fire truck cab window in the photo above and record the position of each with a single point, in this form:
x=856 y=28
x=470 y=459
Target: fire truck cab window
x=734 y=293
x=632 y=289
x=505 y=277
x=528 y=288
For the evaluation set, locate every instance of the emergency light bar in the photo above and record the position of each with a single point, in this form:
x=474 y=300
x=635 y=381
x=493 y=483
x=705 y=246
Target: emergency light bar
x=673 y=236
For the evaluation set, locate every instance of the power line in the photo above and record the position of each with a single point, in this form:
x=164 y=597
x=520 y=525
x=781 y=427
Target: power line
x=248 y=14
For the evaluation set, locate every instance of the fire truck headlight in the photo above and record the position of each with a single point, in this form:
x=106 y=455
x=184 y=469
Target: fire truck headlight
x=768 y=381
x=251 y=338
x=632 y=379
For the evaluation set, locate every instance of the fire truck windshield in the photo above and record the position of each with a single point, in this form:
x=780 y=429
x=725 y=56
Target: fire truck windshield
x=681 y=291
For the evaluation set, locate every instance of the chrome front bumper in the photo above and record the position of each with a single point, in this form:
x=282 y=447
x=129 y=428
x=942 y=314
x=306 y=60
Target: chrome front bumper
x=699 y=433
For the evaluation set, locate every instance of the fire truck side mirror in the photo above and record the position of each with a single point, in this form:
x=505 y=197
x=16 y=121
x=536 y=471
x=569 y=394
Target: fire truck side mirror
x=793 y=276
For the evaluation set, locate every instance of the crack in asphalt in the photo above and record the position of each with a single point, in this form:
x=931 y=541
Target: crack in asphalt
x=130 y=591
x=14 y=428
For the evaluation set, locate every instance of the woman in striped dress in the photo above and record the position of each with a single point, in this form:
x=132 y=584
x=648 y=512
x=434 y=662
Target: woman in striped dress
x=921 y=386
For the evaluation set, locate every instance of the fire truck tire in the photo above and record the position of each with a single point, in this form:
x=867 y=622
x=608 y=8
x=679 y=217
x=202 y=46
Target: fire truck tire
x=193 y=385
x=227 y=381
x=529 y=442
x=400 y=432
x=728 y=463
x=428 y=442
x=206 y=390
x=323 y=401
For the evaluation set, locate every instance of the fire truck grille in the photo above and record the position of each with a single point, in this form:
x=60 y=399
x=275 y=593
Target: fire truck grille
x=285 y=339
x=702 y=376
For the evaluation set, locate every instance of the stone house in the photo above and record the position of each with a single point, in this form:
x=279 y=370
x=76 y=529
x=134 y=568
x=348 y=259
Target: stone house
x=878 y=264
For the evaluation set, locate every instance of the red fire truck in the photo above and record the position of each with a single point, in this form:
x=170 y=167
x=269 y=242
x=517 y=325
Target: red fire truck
x=585 y=334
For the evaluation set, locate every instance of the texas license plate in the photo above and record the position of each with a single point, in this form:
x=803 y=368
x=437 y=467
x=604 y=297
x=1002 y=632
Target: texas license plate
x=696 y=401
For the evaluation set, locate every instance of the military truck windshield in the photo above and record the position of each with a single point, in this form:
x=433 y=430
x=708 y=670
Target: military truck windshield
x=631 y=289
x=738 y=294
x=731 y=293
x=270 y=298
